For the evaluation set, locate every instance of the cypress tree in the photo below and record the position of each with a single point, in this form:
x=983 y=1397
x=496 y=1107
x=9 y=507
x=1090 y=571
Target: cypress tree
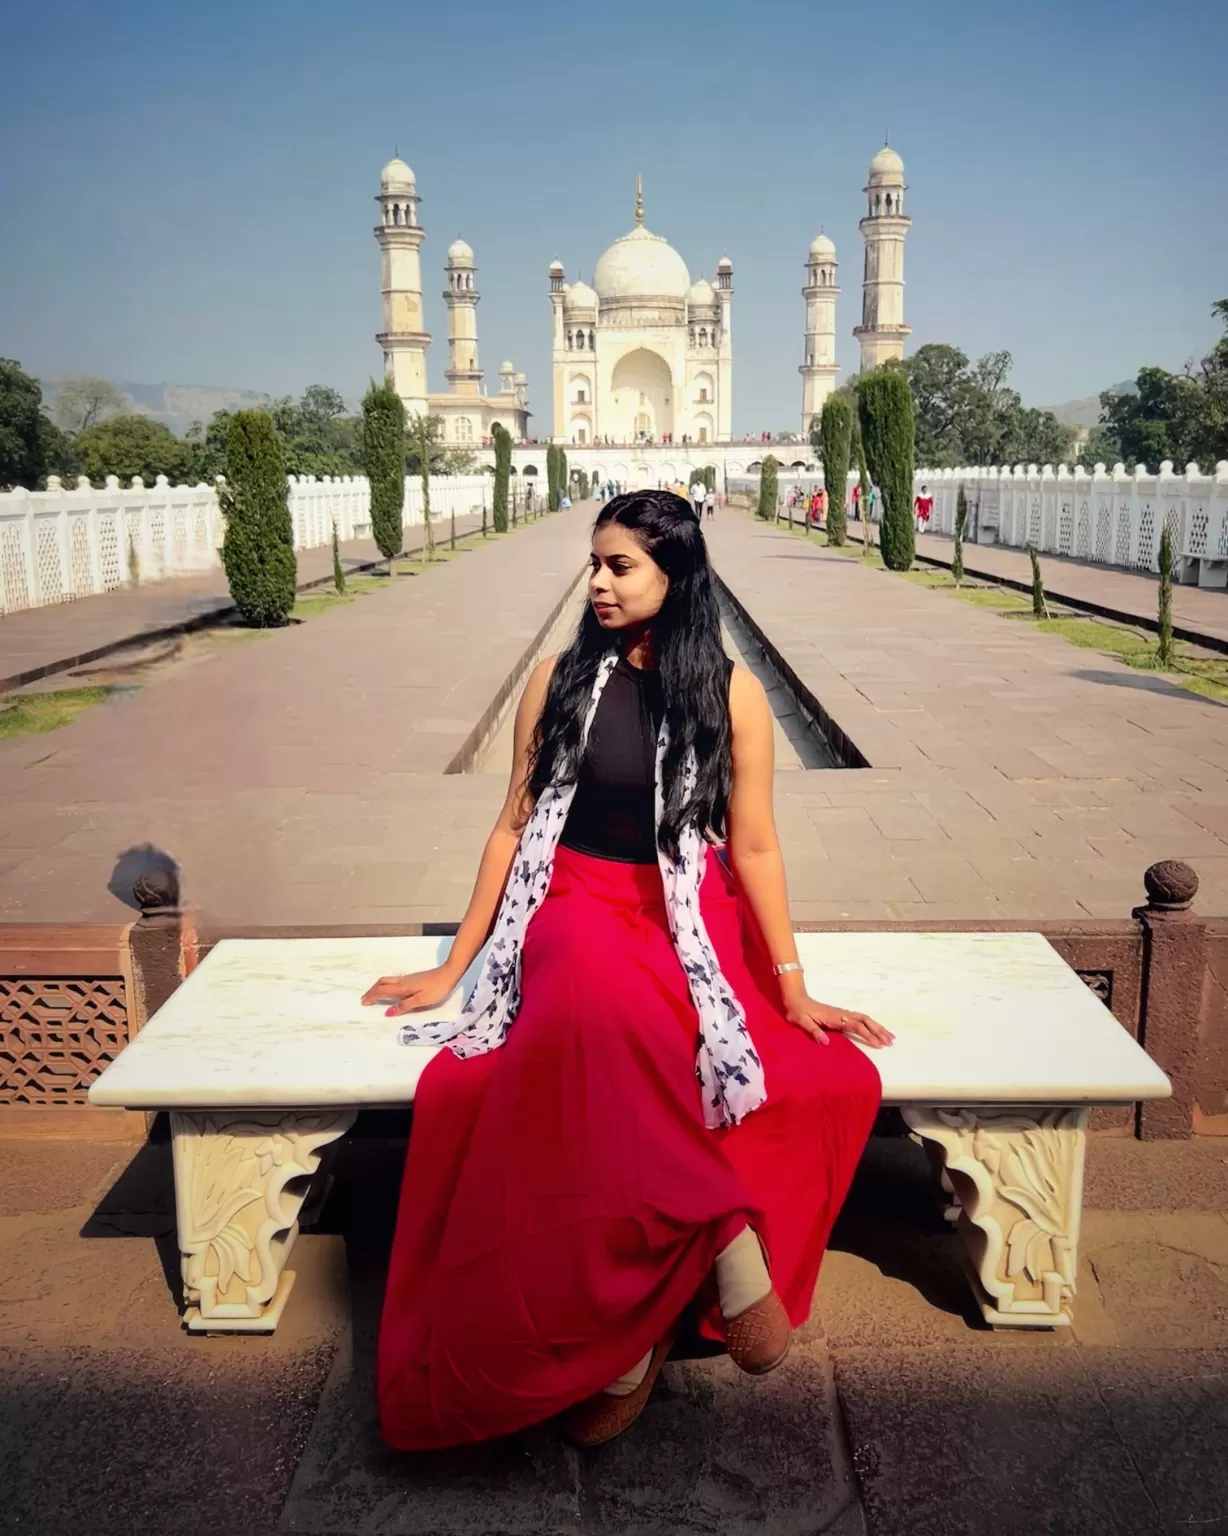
x=1040 y=608
x=768 y=495
x=835 y=442
x=884 y=404
x=552 y=477
x=423 y=426
x=863 y=486
x=503 y=469
x=1164 y=649
x=961 y=522
x=258 y=549
x=338 y=572
x=562 y=477
x=383 y=456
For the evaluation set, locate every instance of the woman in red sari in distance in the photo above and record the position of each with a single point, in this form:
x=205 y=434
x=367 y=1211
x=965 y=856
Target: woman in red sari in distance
x=568 y=1194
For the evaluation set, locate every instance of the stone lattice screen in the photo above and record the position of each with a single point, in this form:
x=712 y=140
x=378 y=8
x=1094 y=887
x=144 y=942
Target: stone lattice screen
x=64 y=1012
x=56 y=1036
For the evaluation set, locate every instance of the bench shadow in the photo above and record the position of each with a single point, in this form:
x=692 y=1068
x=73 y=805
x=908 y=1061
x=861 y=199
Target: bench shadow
x=892 y=1219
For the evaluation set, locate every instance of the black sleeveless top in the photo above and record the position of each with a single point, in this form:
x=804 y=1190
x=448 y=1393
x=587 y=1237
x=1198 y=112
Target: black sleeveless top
x=612 y=815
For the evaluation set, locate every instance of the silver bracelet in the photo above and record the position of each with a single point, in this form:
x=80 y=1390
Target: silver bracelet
x=789 y=965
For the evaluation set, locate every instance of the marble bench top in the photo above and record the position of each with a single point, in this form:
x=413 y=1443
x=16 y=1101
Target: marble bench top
x=979 y=1018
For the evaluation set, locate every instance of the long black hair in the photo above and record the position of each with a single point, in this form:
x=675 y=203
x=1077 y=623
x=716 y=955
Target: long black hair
x=690 y=659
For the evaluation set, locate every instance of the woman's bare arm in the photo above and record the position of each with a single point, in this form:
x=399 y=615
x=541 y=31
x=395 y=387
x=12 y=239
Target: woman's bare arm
x=756 y=859
x=493 y=869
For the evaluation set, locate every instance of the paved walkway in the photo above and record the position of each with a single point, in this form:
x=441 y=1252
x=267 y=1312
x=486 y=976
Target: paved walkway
x=897 y=1413
x=306 y=776
x=1131 y=596
x=1012 y=774
x=301 y=779
x=39 y=641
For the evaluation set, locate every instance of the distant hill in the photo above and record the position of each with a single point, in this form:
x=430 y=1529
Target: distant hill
x=1086 y=412
x=178 y=405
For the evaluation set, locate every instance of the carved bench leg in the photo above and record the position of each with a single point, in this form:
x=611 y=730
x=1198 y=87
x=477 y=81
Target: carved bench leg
x=240 y=1182
x=1017 y=1174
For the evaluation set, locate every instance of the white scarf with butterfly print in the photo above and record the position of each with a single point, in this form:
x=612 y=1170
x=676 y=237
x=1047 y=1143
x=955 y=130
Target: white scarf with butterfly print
x=727 y=1065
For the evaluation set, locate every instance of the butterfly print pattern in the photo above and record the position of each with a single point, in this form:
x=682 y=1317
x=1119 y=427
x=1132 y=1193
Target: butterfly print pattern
x=729 y=1070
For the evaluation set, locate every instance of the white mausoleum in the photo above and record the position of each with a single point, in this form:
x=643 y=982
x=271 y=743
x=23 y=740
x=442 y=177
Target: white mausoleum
x=469 y=415
x=643 y=355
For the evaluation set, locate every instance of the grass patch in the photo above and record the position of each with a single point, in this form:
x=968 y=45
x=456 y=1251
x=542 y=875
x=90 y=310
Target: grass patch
x=32 y=714
x=998 y=599
x=312 y=603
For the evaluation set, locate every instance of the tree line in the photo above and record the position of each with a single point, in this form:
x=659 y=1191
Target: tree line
x=91 y=430
x=1178 y=416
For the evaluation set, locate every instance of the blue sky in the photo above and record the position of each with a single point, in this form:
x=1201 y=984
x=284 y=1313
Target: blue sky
x=186 y=192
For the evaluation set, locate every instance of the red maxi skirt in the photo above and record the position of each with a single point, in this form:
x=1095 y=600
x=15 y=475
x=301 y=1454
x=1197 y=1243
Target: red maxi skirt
x=563 y=1201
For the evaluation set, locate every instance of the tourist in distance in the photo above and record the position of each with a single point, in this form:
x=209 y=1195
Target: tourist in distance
x=699 y=494
x=628 y=1126
x=922 y=506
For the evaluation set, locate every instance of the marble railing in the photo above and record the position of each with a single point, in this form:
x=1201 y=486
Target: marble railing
x=1109 y=516
x=68 y=542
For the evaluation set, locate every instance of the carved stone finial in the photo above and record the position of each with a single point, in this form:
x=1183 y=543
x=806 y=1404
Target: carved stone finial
x=156 y=890
x=1171 y=886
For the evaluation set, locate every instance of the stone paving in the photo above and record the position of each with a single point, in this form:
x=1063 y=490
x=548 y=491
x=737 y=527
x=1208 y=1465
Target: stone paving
x=1013 y=774
x=301 y=779
x=898 y=1413
x=1197 y=611
x=39 y=641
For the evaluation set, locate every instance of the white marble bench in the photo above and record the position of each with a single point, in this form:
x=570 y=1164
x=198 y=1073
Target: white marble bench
x=264 y=1055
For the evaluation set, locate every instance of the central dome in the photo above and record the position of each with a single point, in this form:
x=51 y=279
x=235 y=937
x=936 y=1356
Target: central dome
x=641 y=266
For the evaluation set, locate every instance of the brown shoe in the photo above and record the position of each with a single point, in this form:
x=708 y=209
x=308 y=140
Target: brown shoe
x=758 y=1339
x=603 y=1416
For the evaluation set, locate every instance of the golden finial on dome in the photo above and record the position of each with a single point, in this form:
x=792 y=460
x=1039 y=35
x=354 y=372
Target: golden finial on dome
x=639 y=202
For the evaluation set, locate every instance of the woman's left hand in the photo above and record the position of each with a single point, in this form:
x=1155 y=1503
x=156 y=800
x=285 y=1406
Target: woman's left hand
x=816 y=1019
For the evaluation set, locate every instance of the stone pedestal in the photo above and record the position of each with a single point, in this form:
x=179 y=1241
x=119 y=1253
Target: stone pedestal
x=240 y=1182
x=1012 y=1183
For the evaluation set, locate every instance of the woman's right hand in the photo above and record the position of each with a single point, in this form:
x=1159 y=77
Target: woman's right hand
x=407 y=994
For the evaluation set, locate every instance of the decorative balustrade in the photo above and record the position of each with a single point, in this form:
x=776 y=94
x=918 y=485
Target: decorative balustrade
x=64 y=543
x=1111 y=517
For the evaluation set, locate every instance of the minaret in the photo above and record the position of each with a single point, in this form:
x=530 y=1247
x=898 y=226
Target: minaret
x=404 y=337
x=558 y=293
x=882 y=329
x=819 y=368
x=461 y=296
x=724 y=353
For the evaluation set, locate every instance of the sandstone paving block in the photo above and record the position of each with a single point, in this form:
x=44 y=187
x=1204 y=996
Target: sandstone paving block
x=1170 y=1408
x=960 y=1440
x=135 y=1442
x=717 y=1451
x=348 y=1483
x=1162 y=1277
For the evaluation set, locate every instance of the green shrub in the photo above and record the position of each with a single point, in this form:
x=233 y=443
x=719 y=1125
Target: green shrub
x=884 y=405
x=383 y=456
x=768 y=494
x=503 y=470
x=1040 y=608
x=835 y=443
x=961 y=522
x=338 y=572
x=258 y=549
x=561 y=476
x=1164 y=649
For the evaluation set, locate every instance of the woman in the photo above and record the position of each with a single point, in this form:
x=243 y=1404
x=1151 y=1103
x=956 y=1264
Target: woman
x=642 y=1108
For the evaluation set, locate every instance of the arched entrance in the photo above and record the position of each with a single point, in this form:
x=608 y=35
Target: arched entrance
x=641 y=398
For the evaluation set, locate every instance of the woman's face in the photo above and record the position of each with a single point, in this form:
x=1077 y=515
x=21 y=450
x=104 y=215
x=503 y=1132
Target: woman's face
x=625 y=586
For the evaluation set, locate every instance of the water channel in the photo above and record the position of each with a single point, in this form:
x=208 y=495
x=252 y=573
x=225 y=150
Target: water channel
x=799 y=741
